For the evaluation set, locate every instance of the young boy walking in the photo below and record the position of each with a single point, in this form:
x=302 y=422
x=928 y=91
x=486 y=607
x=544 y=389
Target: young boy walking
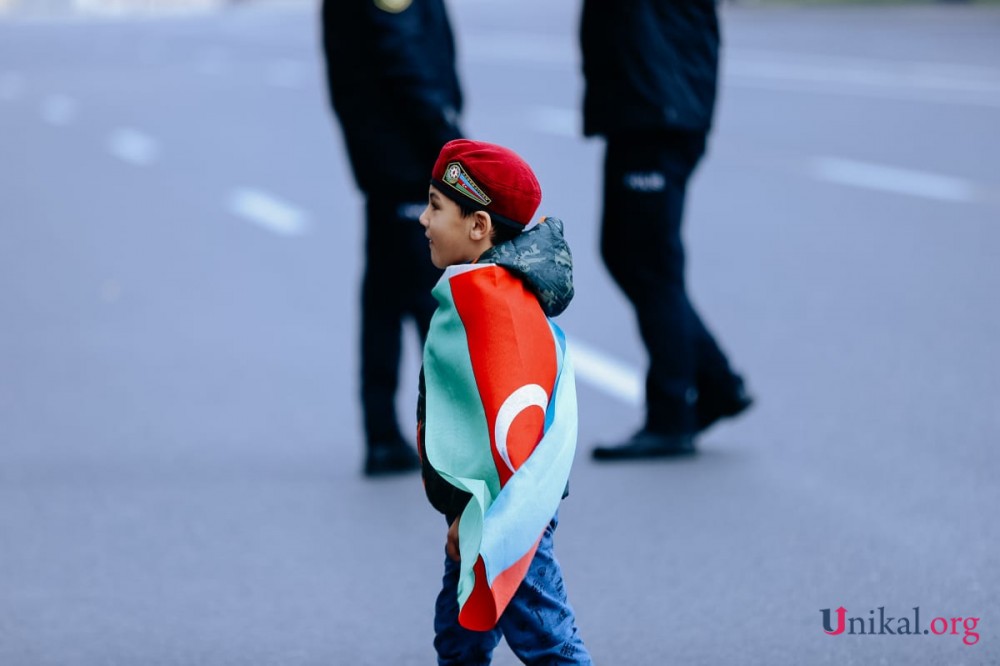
x=497 y=419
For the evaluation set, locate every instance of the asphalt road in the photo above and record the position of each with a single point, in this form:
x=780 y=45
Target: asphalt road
x=179 y=437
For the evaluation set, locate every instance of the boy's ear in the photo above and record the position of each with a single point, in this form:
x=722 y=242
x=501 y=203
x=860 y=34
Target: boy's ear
x=482 y=225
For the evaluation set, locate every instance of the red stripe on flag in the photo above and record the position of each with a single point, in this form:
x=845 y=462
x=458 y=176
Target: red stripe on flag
x=511 y=346
x=483 y=608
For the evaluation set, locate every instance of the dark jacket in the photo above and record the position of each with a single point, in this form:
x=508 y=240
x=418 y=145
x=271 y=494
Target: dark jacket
x=648 y=65
x=393 y=85
x=542 y=259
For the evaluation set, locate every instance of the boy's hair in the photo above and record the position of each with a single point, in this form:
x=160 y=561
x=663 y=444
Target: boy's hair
x=504 y=232
x=501 y=232
x=484 y=176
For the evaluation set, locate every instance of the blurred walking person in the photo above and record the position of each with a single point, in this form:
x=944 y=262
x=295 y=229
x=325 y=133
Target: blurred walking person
x=650 y=70
x=393 y=86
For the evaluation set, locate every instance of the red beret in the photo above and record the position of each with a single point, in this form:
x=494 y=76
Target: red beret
x=485 y=176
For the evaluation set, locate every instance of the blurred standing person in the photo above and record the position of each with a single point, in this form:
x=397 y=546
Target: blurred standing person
x=393 y=86
x=650 y=71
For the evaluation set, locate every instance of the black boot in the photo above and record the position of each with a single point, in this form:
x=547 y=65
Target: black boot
x=712 y=406
x=647 y=444
x=390 y=457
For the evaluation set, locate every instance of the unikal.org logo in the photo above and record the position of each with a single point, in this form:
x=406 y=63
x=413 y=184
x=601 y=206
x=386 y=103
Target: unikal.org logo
x=837 y=623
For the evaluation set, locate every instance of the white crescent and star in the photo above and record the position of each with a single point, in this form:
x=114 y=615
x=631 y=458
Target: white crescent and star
x=529 y=395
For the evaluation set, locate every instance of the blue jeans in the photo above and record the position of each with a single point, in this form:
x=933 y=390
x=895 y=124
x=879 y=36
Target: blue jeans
x=539 y=623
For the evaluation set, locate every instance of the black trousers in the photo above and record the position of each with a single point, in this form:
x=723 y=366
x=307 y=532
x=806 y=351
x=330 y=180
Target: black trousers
x=645 y=183
x=397 y=282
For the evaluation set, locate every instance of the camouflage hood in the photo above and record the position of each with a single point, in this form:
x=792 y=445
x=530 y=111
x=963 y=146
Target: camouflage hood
x=540 y=257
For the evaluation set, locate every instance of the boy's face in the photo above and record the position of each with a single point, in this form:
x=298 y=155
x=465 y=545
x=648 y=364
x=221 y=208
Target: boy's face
x=453 y=238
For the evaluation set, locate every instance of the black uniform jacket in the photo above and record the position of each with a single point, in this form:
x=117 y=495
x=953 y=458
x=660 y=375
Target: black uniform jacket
x=393 y=85
x=648 y=64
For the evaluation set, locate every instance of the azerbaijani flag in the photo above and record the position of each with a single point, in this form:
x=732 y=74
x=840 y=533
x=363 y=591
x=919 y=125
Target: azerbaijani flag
x=501 y=424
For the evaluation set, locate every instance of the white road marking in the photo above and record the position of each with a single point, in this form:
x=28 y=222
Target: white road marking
x=779 y=70
x=556 y=121
x=59 y=110
x=11 y=86
x=907 y=80
x=893 y=179
x=607 y=374
x=132 y=146
x=567 y=123
x=268 y=211
x=127 y=7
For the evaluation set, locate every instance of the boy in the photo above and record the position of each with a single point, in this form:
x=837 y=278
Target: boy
x=497 y=409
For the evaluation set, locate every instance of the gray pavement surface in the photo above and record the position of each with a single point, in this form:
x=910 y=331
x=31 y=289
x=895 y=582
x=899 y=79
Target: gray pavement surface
x=179 y=437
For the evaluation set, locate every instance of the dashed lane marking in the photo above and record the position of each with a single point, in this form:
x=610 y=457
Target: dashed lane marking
x=128 y=7
x=869 y=77
x=566 y=122
x=893 y=179
x=780 y=71
x=268 y=212
x=606 y=374
x=134 y=147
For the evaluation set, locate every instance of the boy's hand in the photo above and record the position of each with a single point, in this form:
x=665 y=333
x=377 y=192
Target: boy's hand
x=452 y=546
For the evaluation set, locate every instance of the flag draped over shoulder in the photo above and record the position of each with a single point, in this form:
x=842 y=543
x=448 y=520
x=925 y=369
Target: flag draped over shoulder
x=501 y=425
